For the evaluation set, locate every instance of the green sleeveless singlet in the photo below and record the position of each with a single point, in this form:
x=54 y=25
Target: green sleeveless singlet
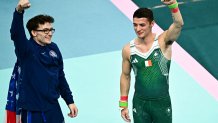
x=151 y=71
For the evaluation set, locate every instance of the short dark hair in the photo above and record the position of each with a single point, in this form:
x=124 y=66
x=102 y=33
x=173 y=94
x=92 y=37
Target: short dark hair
x=144 y=13
x=34 y=22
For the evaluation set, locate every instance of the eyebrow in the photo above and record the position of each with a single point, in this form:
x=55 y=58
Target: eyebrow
x=47 y=28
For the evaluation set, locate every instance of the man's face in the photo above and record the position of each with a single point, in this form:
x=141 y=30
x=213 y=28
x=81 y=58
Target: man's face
x=43 y=34
x=142 y=27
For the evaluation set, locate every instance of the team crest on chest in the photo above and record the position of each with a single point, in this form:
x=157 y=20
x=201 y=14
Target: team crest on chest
x=156 y=56
x=53 y=54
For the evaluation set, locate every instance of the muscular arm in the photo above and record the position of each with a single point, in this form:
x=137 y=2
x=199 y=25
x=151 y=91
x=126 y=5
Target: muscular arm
x=175 y=28
x=125 y=79
x=126 y=70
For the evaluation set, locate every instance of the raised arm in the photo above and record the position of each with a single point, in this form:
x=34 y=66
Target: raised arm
x=17 y=29
x=23 y=4
x=125 y=82
x=175 y=28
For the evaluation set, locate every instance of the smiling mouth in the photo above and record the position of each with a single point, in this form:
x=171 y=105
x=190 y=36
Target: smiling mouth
x=139 y=33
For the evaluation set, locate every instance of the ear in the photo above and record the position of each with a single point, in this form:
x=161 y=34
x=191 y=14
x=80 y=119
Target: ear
x=152 y=23
x=33 y=32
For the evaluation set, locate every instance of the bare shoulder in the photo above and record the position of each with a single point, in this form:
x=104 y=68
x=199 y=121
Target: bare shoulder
x=126 y=51
x=126 y=48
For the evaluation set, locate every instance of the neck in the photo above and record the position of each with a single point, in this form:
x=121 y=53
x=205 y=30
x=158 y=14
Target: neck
x=147 y=39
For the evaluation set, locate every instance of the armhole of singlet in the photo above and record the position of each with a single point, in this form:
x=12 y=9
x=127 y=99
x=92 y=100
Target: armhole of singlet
x=156 y=40
x=131 y=46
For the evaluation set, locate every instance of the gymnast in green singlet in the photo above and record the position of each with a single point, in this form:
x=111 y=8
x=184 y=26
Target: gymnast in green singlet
x=149 y=56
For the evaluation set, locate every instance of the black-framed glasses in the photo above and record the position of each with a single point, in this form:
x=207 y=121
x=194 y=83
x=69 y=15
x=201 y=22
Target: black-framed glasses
x=46 y=31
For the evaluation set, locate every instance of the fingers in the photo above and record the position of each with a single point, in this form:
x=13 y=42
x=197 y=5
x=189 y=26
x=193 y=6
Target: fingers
x=125 y=115
x=23 y=4
x=73 y=113
x=168 y=2
x=126 y=118
x=27 y=5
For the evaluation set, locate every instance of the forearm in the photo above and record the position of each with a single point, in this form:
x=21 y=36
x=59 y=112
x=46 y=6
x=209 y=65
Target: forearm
x=125 y=78
x=124 y=90
x=17 y=27
x=176 y=15
x=65 y=91
x=124 y=85
x=175 y=28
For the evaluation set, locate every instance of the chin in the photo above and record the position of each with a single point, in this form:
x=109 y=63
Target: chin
x=48 y=42
x=142 y=37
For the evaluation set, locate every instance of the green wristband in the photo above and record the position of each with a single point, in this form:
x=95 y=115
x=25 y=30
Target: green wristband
x=123 y=104
x=173 y=6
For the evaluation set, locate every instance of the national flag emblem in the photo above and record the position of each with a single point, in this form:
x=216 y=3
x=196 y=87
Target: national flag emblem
x=148 y=63
x=12 y=111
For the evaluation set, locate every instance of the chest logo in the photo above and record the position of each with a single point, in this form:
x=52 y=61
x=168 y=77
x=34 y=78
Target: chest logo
x=156 y=56
x=53 y=54
x=135 y=61
x=148 y=63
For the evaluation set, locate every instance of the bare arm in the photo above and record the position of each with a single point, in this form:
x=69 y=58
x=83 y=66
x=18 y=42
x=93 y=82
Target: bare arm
x=125 y=79
x=126 y=70
x=175 y=28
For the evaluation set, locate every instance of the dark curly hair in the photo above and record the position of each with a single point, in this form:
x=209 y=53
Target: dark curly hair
x=34 y=22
